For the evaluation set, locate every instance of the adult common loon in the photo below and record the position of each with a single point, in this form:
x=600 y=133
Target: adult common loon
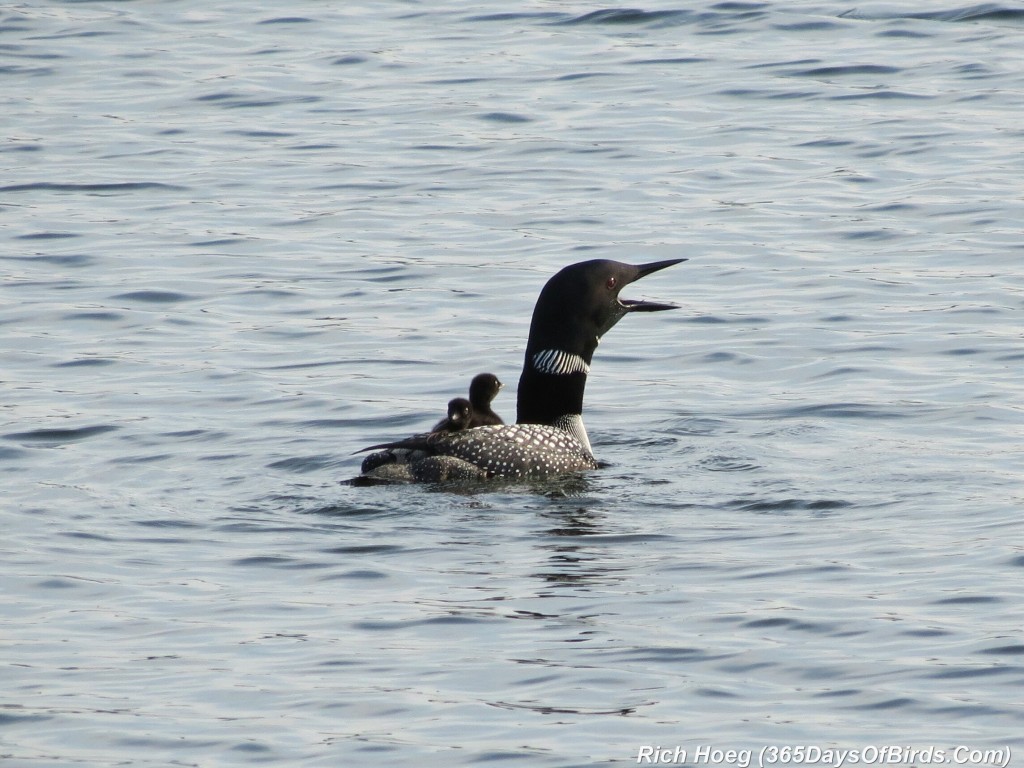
x=575 y=309
x=482 y=390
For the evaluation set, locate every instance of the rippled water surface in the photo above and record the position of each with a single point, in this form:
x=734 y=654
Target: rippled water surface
x=240 y=242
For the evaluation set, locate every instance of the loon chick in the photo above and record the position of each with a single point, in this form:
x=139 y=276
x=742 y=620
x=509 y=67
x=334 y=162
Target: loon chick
x=482 y=390
x=460 y=416
x=575 y=309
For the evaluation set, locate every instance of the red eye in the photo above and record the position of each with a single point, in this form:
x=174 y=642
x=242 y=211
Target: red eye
x=612 y=282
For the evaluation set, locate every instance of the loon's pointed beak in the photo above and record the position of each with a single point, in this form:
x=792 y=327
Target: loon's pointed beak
x=642 y=270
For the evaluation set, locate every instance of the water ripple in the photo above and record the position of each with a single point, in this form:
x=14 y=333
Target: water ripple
x=153 y=297
x=124 y=186
x=55 y=437
x=298 y=232
x=630 y=16
x=982 y=12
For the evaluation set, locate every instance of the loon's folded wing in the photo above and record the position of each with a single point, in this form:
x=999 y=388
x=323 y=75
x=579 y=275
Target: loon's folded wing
x=420 y=442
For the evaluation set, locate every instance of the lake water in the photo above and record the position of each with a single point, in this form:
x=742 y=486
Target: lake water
x=241 y=242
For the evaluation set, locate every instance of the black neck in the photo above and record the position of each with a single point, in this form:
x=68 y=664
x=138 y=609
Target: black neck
x=558 y=354
x=543 y=398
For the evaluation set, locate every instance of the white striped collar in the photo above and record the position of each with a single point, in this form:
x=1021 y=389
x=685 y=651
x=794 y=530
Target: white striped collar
x=558 y=363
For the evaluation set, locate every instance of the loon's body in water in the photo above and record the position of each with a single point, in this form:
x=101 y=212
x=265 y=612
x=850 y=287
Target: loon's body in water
x=575 y=309
x=482 y=390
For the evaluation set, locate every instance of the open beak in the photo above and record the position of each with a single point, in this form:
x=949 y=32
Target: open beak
x=642 y=270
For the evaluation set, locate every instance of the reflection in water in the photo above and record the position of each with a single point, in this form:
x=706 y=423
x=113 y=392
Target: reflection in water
x=574 y=558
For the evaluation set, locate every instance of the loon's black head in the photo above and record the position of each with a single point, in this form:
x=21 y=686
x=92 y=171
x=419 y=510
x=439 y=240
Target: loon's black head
x=575 y=309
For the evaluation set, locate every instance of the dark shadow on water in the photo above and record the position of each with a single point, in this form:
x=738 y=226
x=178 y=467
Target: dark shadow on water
x=584 y=546
x=576 y=522
x=563 y=486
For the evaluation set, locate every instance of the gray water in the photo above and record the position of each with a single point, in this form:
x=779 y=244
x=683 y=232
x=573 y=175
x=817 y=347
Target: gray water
x=240 y=243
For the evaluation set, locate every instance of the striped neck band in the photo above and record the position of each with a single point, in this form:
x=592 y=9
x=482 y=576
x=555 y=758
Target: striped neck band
x=558 y=363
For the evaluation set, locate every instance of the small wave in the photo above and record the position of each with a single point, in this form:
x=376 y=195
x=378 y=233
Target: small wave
x=153 y=297
x=387 y=626
x=671 y=60
x=968 y=600
x=834 y=411
x=261 y=133
x=46 y=236
x=235 y=100
x=567 y=710
x=791 y=504
x=843 y=370
x=713 y=17
x=343 y=61
x=901 y=702
x=166 y=522
x=629 y=16
x=505 y=117
x=882 y=94
x=983 y=12
x=217 y=243
x=85 y=362
x=827 y=143
x=287 y=20
x=581 y=76
x=127 y=186
x=665 y=654
x=818 y=25
x=58 y=583
x=728 y=464
x=64 y=260
x=959 y=673
x=146 y=459
x=359 y=574
x=346 y=510
x=930 y=632
x=312 y=147
x=9 y=719
x=787 y=623
x=303 y=463
x=903 y=34
x=847 y=70
x=21 y=71
x=867 y=234
x=364 y=549
x=100 y=316
x=512 y=16
x=276 y=561
x=696 y=425
x=1004 y=650
x=59 y=436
